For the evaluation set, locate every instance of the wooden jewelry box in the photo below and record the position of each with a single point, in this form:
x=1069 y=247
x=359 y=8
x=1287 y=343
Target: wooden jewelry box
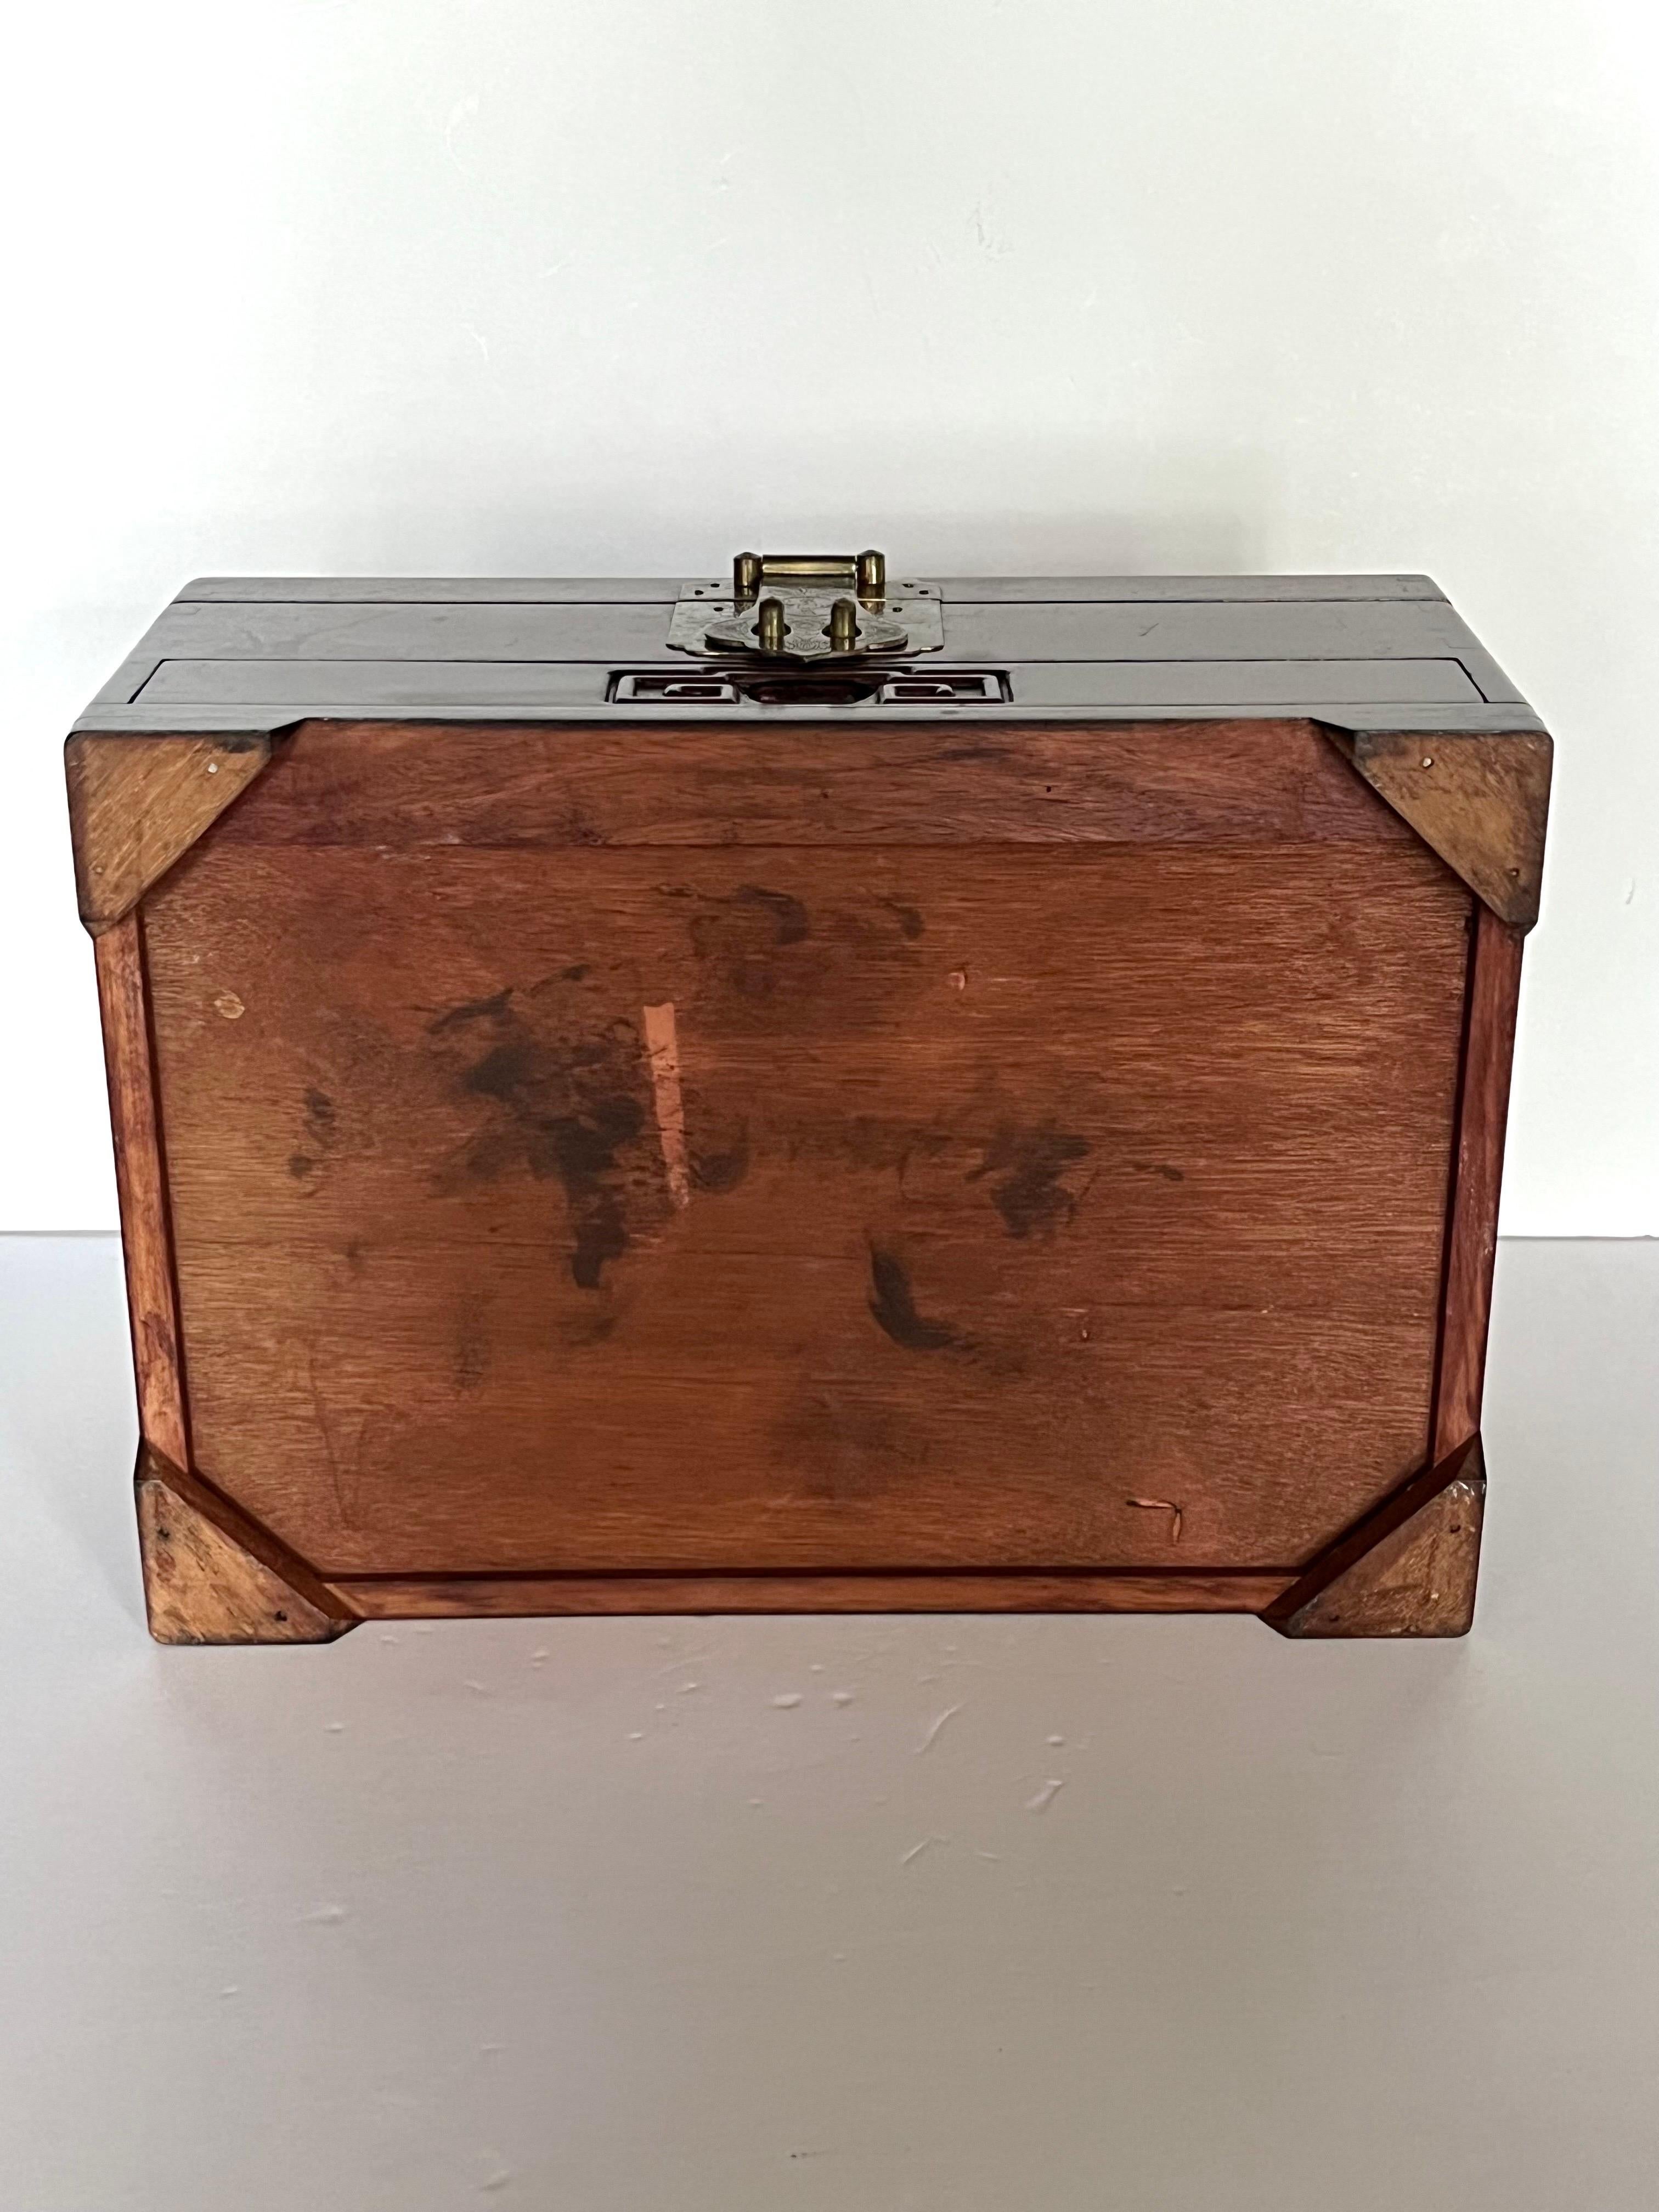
x=809 y=1092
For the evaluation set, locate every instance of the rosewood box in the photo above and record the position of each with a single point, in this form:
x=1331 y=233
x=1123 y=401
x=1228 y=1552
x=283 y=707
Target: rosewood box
x=807 y=1092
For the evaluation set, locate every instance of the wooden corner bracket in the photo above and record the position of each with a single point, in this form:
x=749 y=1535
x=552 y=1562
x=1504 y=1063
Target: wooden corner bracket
x=138 y=804
x=1408 y=1569
x=212 y=1575
x=1479 y=801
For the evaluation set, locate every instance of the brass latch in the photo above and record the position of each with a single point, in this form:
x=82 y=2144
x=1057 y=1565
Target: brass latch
x=807 y=606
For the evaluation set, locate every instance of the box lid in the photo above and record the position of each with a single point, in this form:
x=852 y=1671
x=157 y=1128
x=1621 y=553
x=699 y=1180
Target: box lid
x=255 y=655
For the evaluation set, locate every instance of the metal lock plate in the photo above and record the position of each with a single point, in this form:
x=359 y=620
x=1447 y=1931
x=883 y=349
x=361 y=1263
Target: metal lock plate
x=764 y=684
x=803 y=607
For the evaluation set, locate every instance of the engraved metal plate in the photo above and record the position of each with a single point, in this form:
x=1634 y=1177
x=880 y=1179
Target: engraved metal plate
x=706 y=620
x=842 y=683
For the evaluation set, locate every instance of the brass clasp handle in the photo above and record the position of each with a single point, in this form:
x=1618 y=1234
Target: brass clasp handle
x=803 y=607
x=754 y=573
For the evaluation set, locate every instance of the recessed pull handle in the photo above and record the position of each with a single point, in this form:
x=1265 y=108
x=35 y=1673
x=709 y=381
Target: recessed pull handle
x=965 y=688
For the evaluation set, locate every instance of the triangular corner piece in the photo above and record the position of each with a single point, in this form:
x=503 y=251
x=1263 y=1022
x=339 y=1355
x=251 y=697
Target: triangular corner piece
x=1479 y=800
x=1408 y=1569
x=211 y=1576
x=138 y=804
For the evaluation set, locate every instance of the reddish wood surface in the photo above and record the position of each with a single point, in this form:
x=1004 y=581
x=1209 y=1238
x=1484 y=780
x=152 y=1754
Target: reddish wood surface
x=1472 y=1237
x=141 y=1182
x=375 y=784
x=1061 y=1163
x=450 y=1597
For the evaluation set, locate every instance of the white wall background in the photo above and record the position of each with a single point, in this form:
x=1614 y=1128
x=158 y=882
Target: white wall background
x=535 y=287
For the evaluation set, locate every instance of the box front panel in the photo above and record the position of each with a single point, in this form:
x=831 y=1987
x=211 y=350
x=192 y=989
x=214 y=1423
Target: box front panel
x=595 y=1205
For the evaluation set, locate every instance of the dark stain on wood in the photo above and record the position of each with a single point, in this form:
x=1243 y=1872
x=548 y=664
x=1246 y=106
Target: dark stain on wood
x=472 y=1343
x=318 y=1139
x=474 y=1010
x=788 y=915
x=1159 y=1168
x=721 y=1168
x=784 y=921
x=1027 y=1163
x=894 y=1307
x=749 y=940
x=838 y=1446
x=766 y=955
x=570 y=1107
x=582 y=1149
x=869 y=1140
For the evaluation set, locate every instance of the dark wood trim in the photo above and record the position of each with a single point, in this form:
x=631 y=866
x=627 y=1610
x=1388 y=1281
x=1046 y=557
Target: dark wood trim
x=413 y=1597
x=1477 y=1172
x=141 y=1182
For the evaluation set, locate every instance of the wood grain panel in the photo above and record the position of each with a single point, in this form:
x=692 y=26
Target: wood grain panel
x=140 y=1184
x=1056 y=1206
x=1471 y=1242
x=384 y=784
x=444 y=1597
